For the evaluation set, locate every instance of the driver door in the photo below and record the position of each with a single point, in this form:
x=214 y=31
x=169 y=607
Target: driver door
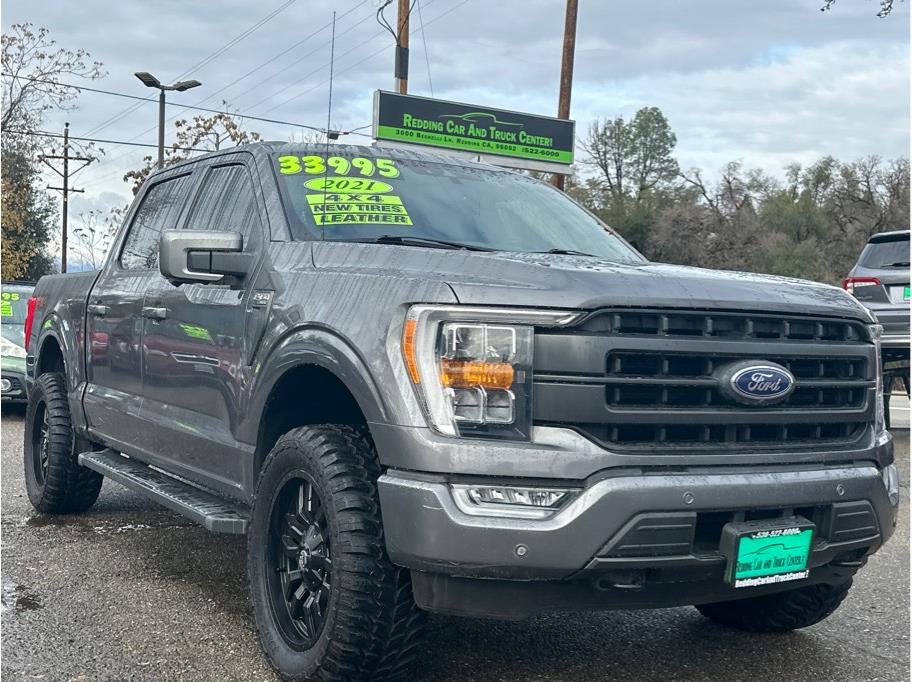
x=195 y=355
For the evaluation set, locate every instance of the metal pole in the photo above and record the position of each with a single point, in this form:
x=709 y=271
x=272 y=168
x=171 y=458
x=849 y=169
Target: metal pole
x=402 y=47
x=566 y=79
x=161 y=129
x=66 y=197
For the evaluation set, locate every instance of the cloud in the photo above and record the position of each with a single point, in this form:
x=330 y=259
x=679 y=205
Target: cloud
x=848 y=99
x=768 y=82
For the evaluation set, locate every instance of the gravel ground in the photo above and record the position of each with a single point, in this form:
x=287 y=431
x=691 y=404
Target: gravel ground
x=130 y=591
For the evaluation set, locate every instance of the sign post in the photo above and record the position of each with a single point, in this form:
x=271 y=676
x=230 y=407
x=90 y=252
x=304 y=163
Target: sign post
x=505 y=138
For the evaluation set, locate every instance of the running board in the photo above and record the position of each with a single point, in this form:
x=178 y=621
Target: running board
x=214 y=513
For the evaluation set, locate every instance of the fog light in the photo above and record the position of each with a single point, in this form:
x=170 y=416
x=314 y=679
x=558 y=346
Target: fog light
x=5 y=385
x=483 y=500
x=529 y=497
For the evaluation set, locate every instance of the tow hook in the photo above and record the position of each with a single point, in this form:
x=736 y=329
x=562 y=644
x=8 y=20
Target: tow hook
x=621 y=580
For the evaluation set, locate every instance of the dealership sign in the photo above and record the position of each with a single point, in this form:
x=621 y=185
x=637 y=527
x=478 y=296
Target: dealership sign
x=466 y=127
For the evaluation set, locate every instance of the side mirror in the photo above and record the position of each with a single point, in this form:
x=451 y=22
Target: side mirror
x=202 y=256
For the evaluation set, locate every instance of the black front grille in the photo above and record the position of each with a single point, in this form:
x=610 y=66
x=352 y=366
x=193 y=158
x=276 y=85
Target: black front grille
x=724 y=326
x=636 y=379
x=650 y=380
x=696 y=435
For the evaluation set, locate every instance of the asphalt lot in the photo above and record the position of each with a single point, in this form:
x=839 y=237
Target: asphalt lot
x=130 y=591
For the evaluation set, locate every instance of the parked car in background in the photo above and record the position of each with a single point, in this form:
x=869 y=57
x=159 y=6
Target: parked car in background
x=880 y=281
x=13 y=300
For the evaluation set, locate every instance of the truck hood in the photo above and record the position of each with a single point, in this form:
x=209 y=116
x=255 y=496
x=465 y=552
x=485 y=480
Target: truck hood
x=585 y=283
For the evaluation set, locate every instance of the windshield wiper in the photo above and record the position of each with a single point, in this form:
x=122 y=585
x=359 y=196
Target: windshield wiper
x=569 y=252
x=399 y=240
x=898 y=264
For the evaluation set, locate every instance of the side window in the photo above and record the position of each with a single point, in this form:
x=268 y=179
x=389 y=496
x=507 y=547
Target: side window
x=158 y=211
x=226 y=203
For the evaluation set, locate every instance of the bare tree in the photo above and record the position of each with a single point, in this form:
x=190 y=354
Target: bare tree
x=33 y=67
x=93 y=237
x=886 y=6
x=203 y=133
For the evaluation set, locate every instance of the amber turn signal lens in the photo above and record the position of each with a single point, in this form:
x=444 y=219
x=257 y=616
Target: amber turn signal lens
x=467 y=374
x=408 y=350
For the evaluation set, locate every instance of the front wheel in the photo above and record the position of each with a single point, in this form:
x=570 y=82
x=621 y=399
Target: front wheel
x=328 y=602
x=780 y=612
x=54 y=480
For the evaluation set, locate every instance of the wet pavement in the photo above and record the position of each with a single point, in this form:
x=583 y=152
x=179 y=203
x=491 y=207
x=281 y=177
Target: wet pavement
x=131 y=591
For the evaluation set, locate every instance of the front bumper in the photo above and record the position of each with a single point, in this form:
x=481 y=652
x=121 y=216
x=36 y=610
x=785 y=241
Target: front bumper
x=425 y=529
x=629 y=538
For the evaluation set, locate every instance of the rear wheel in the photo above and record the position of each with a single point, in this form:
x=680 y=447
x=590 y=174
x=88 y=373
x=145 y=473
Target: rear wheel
x=328 y=602
x=780 y=612
x=55 y=482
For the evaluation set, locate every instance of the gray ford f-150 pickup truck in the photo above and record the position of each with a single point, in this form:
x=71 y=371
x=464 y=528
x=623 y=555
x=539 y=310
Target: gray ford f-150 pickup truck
x=418 y=383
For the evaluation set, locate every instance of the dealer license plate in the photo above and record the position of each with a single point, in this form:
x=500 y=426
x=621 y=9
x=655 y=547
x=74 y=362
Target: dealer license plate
x=767 y=552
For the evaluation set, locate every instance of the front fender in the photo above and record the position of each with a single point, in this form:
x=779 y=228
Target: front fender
x=322 y=347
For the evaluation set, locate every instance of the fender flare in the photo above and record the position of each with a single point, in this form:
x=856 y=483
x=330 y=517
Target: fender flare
x=48 y=330
x=318 y=346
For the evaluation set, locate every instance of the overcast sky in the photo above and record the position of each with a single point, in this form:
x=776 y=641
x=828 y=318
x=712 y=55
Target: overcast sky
x=768 y=82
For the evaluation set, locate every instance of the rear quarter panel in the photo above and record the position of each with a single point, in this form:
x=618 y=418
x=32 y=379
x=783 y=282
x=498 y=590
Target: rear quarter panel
x=61 y=315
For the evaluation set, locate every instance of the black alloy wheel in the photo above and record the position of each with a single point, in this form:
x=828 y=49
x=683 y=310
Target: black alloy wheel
x=299 y=542
x=40 y=433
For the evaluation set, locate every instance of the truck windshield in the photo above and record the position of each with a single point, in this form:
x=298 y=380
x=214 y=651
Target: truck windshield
x=417 y=202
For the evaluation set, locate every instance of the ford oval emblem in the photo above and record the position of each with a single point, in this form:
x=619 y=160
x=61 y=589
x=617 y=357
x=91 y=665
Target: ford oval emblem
x=757 y=383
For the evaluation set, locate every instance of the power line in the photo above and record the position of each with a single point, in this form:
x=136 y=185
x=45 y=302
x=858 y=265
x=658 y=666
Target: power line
x=319 y=69
x=286 y=51
x=427 y=59
x=234 y=41
x=173 y=104
x=361 y=61
x=295 y=45
x=298 y=61
x=231 y=43
x=44 y=133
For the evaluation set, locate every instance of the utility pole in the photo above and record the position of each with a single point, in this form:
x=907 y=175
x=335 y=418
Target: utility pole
x=402 y=47
x=566 y=78
x=66 y=189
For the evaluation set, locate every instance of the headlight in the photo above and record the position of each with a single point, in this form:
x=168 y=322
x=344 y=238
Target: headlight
x=472 y=367
x=876 y=330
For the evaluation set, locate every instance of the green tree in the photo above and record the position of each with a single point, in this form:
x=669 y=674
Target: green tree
x=635 y=171
x=27 y=215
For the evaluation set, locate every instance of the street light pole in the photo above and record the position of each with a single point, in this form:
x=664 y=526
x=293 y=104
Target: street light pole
x=161 y=128
x=151 y=81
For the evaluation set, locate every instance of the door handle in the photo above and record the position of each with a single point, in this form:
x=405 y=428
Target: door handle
x=97 y=309
x=155 y=313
